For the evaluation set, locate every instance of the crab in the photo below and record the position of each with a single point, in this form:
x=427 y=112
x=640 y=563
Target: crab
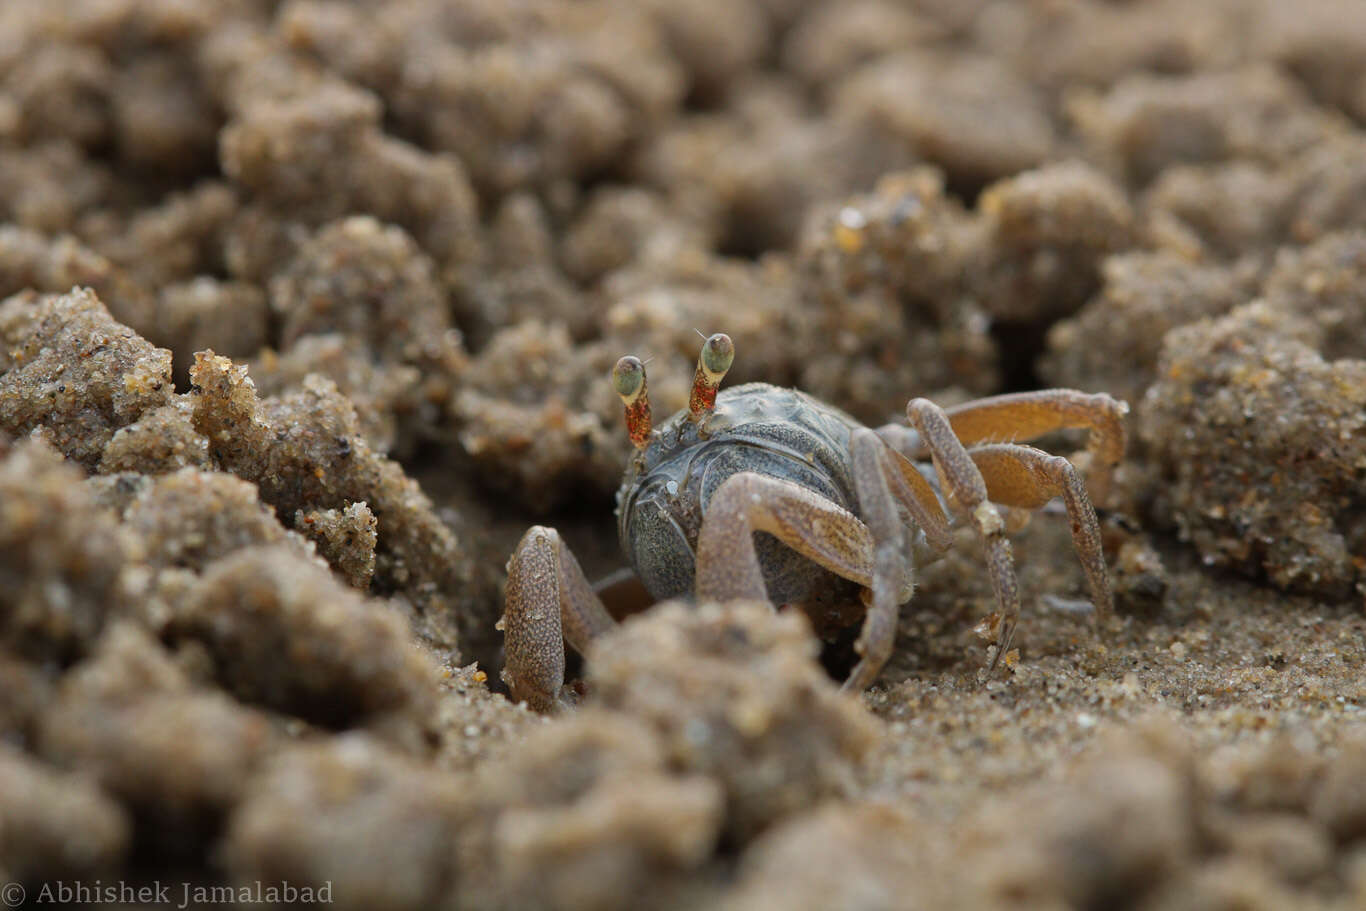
x=766 y=493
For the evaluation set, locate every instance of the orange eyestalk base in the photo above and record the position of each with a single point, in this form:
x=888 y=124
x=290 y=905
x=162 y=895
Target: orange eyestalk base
x=718 y=352
x=628 y=380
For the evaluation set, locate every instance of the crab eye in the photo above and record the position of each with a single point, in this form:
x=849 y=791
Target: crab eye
x=628 y=378
x=718 y=353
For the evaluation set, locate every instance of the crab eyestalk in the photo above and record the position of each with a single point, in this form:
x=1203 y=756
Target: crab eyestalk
x=718 y=352
x=628 y=380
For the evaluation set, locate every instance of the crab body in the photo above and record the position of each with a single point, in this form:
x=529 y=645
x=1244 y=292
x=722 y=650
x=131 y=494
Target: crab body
x=764 y=493
x=777 y=432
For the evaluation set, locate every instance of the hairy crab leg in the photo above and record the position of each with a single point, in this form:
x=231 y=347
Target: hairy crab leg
x=892 y=570
x=549 y=601
x=1019 y=416
x=966 y=491
x=871 y=551
x=902 y=440
x=746 y=502
x=884 y=479
x=1025 y=477
x=915 y=493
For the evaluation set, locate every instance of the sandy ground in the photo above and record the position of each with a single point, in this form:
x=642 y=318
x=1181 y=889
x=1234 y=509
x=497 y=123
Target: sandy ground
x=307 y=310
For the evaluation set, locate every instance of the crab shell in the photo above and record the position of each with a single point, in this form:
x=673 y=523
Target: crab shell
x=756 y=427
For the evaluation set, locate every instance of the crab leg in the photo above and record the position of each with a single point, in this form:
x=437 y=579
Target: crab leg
x=870 y=461
x=872 y=552
x=746 y=502
x=884 y=479
x=911 y=490
x=966 y=491
x=1026 y=477
x=1020 y=416
x=548 y=601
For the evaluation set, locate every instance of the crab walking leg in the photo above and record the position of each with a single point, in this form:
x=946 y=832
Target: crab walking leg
x=902 y=440
x=746 y=502
x=1026 y=477
x=911 y=489
x=872 y=470
x=548 y=601
x=1019 y=416
x=965 y=487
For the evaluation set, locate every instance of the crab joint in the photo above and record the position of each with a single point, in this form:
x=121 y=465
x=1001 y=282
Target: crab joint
x=717 y=354
x=628 y=379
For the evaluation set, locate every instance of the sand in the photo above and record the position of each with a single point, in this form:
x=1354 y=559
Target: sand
x=306 y=315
